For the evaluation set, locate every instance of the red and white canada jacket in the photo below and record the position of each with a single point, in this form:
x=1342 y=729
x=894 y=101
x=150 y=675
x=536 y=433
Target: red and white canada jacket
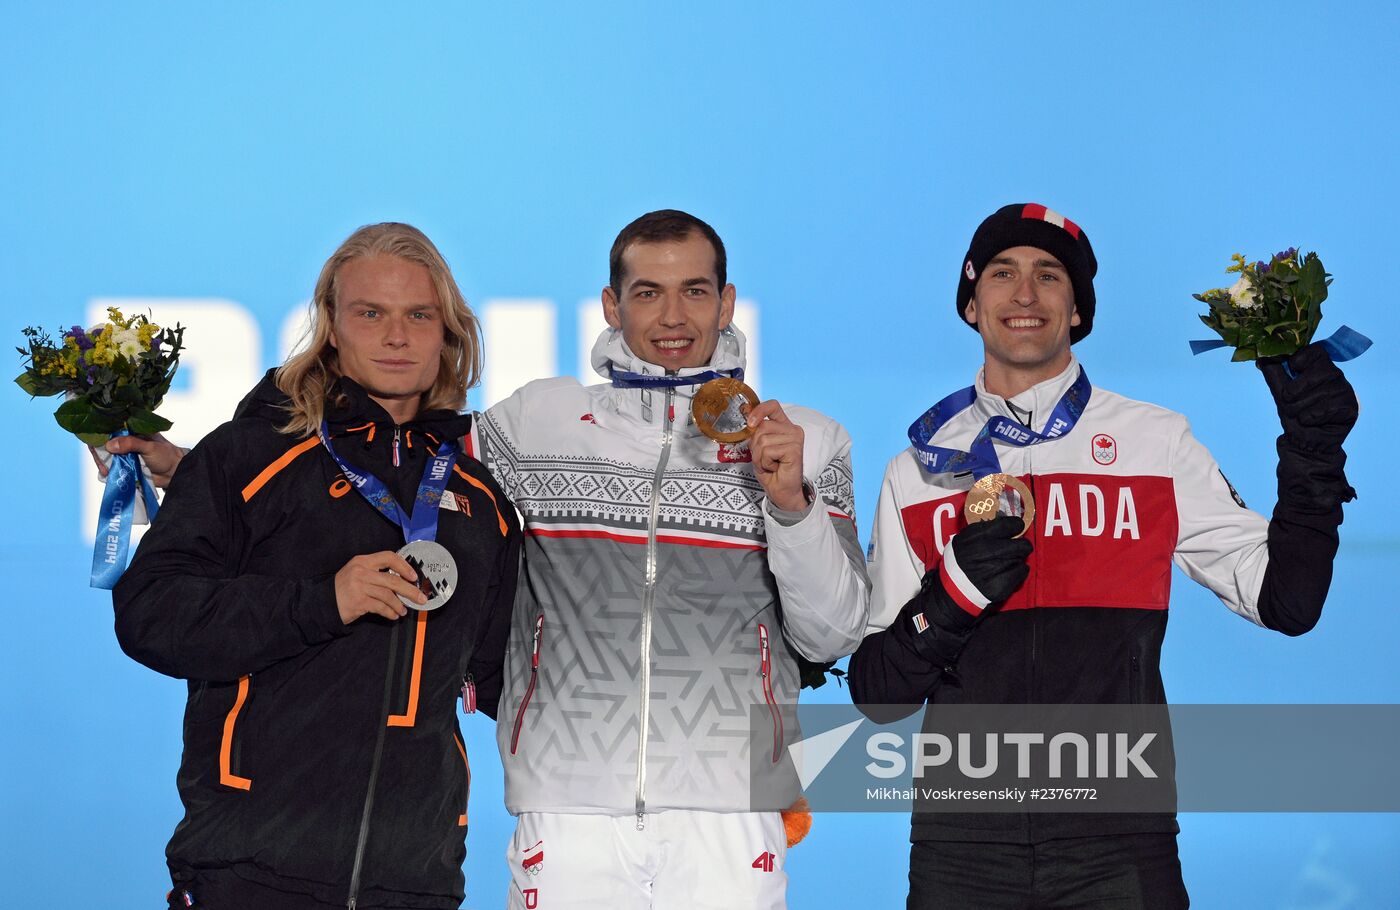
x=1118 y=499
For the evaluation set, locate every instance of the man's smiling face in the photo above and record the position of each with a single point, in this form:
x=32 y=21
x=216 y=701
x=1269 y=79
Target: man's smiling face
x=669 y=306
x=1023 y=307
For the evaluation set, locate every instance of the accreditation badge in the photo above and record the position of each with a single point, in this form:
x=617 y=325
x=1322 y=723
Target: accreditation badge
x=721 y=408
x=1000 y=494
x=437 y=572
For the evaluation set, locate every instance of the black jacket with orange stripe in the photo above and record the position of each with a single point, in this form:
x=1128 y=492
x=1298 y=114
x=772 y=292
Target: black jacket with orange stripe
x=233 y=590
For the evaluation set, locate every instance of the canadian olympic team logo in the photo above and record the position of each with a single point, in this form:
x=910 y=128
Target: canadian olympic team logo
x=1105 y=449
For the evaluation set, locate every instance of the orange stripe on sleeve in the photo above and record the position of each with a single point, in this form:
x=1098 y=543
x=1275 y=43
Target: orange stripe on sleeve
x=410 y=716
x=462 y=819
x=226 y=775
x=505 y=528
x=271 y=470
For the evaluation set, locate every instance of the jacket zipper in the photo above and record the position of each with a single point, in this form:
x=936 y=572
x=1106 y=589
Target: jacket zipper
x=530 y=689
x=648 y=602
x=765 y=669
x=396 y=445
x=363 y=838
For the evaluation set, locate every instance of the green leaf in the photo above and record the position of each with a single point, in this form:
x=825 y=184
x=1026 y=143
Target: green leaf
x=80 y=417
x=38 y=386
x=144 y=423
x=1273 y=347
x=1242 y=354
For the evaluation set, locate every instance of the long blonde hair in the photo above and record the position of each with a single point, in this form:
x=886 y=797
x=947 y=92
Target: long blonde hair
x=307 y=377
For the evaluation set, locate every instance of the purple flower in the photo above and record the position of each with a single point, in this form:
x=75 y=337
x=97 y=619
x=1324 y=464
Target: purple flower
x=1286 y=254
x=1262 y=267
x=80 y=337
x=155 y=344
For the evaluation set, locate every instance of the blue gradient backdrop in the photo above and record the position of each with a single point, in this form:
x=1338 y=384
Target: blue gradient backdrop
x=844 y=151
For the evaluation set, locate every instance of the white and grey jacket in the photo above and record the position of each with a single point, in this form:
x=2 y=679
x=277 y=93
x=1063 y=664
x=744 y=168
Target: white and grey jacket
x=662 y=601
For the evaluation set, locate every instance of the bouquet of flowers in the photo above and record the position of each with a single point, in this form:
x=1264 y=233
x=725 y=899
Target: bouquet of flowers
x=1273 y=308
x=114 y=374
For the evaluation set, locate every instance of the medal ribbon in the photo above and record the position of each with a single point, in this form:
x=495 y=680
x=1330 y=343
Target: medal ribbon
x=981 y=457
x=125 y=481
x=622 y=379
x=422 y=523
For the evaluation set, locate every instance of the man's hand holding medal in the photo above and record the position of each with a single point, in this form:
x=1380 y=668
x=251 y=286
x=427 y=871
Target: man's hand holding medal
x=728 y=411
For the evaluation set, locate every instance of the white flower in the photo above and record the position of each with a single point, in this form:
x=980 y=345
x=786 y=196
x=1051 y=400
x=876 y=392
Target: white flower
x=127 y=343
x=1242 y=295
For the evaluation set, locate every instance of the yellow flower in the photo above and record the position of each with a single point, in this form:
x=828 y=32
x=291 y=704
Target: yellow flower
x=1239 y=265
x=147 y=332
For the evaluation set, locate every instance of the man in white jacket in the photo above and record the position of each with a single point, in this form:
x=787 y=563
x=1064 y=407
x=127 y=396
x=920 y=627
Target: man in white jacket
x=671 y=583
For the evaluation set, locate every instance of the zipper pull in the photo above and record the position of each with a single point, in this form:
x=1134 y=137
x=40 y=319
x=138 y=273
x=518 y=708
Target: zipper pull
x=764 y=662
x=641 y=822
x=396 y=445
x=539 y=634
x=468 y=694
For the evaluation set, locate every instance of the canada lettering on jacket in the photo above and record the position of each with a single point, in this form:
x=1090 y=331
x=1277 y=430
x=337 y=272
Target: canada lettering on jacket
x=1069 y=510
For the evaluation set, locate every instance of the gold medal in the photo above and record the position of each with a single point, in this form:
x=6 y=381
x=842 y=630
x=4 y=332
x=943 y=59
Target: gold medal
x=1000 y=494
x=721 y=408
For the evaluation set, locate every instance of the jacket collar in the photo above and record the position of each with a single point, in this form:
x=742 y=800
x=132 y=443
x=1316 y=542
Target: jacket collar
x=648 y=405
x=1039 y=400
x=349 y=405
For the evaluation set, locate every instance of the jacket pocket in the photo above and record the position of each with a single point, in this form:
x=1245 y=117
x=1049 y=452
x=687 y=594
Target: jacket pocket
x=230 y=746
x=1137 y=684
x=529 y=689
x=765 y=671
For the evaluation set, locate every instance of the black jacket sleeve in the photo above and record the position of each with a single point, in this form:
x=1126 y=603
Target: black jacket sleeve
x=487 y=661
x=183 y=609
x=895 y=671
x=1317 y=408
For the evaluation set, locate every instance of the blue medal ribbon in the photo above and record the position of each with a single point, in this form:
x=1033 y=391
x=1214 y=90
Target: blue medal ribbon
x=125 y=481
x=422 y=522
x=622 y=379
x=981 y=457
x=1342 y=345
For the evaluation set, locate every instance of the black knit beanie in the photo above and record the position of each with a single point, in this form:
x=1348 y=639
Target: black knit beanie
x=1028 y=224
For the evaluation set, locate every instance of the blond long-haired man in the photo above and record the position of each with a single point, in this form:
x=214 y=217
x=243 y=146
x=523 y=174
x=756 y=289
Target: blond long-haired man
x=328 y=572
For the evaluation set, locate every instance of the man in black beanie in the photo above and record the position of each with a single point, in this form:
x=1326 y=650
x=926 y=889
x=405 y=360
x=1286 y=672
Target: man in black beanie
x=1065 y=602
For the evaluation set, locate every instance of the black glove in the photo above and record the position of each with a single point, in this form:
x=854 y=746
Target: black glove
x=937 y=621
x=1316 y=405
x=992 y=557
x=1317 y=408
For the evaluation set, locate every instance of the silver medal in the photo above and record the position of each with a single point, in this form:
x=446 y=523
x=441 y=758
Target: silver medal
x=437 y=572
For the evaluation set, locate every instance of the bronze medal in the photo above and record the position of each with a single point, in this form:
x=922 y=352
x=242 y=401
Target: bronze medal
x=721 y=408
x=1000 y=494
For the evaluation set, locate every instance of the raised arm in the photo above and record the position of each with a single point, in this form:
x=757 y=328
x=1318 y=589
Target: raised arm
x=813 y=548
